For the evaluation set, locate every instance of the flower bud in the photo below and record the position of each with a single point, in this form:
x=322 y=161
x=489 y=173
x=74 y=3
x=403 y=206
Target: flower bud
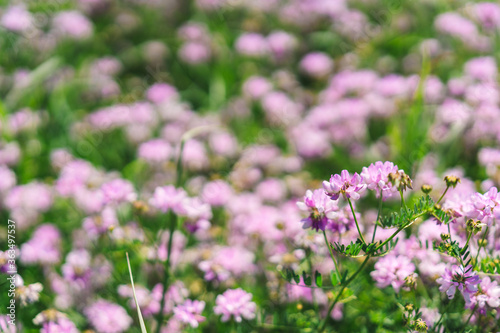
x=410 y=282
x=451 y=181
x=473 y=226
x=426 y=188
x=420 y=325
x=445 y=237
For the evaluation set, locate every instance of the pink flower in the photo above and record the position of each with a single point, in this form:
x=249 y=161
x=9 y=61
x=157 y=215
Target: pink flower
x=168 y=197
x=194 y=53
x=392 y=270
x=465 y=279
x=216 y=193
x=345 y=184
x=376 y=177
x=488 y=295
x=235 y=303
x=118 y=191
x=161 y=92
x=317 y=64
x=190 y=312
x=318 y=205
x=17 y=18
x=252 y=44
x=155 y=151
x=73 y=24
x=107 y=317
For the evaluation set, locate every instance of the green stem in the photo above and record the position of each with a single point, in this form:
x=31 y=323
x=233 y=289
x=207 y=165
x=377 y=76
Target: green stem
x=173 y=225
x=330 y=308
x=468 y=320
x=480 y=246
x=378 y=216
x=403 y=203
x=398 y=231
x=172 y=218
x=356 y=221
x=332 y=256
x=442 y=195
x=468 y=239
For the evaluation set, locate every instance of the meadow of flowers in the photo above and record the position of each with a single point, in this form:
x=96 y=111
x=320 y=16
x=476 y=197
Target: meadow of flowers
x=249 y=166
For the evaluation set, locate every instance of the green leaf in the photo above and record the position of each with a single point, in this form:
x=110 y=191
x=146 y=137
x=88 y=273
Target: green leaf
x=307 y=279
x=333 y=277
x=296 y=277
x=318 y=279
x=289 y=275
x=139 y=314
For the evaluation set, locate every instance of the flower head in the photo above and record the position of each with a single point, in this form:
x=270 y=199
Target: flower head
x=236 y=303
x=190 y=312
x=317 y=204
x=465 y=279
x=345 y=184
x=376 y=177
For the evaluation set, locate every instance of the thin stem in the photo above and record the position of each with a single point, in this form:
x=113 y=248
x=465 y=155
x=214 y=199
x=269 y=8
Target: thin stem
x=172 y=218
x=398 y=231
x=436 y=325
x=449 y=232
x=356 y=221
x=332 y=256
x=442 y=195
x=330 y=308
x=468 y=320
x=378 y=216
x=403 y=203
x=480 y=246
x=468 y=239
x=173 y=225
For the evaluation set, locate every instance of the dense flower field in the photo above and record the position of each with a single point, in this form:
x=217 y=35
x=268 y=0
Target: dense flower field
x=249 y=166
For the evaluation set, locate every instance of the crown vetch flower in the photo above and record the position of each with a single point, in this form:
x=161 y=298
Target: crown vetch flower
x=376 y=177
x=465 y=279
x=392 y=270
x=345 y=184
x=236 y=303
x=317 y=204
x=190 y=312
x=489 y=294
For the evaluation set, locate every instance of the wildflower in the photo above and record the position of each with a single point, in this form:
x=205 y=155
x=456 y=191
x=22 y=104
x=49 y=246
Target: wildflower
x=29 y=294
x=155 y=151
x=118 y=191
x=168 y=197
x=52 y=320
x=488 y=295
x=345 y=184
x=317 y=204
x=483 y=207
x=190 y=312
x=376 y=177
x=107 y=317
x=462 y=278
x=216 y=193
x=393 y=270
x=316 y=64
x=236 y=303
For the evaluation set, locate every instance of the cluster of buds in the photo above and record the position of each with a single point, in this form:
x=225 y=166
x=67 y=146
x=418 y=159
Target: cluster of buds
x=474 y=226
x=400 y=180
x=445 y=237
x=419 y=325
x=410 y=282
x=451 y=181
